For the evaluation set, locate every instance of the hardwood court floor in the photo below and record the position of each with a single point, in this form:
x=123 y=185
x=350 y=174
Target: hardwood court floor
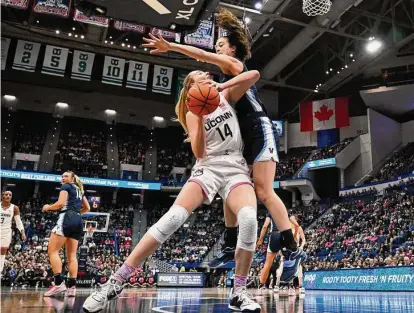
x=211 y=300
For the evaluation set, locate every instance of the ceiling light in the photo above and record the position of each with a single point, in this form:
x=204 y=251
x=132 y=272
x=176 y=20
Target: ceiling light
x=82 y=37
x=112 y=42
x=258 y=5
x=373 y=46
x=106 y=41
x=316 y=90
x=129 y=46
x=351 y=55
x=73 y=28
x=110 y=112
x=70 y=34
x=37 y=22
x=126 y=39
x=57 y=31
x=331 y=69
x=158 y=119
x=123 y=45
x=62 y=105
x=134 y=47
x=76 y=36
x=247 y=20
x=266 y=35
x=327 y=72
x=9 y=97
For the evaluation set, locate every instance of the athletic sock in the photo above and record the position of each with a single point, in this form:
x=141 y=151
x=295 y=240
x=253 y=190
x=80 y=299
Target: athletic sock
x=124 y=272
x=240 y=281
x=287 y=241
x=230 y=238
x=2 y=259
x=71 y=282
x=58 y=279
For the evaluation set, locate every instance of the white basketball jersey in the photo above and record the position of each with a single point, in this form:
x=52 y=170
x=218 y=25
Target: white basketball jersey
x=6 y=216
x=222 y=130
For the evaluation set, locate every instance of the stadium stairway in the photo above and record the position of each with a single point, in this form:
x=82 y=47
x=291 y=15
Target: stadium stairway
x=51 y=146
x=112 y=154
x=296 y=175
x=139 y=226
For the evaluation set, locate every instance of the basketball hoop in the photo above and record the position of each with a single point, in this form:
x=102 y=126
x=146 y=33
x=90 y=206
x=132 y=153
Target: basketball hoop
x=316 y=7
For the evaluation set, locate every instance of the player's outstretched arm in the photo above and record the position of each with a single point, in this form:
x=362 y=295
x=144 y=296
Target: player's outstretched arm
x=227 y=64
x=236 y=87
x=85 y=206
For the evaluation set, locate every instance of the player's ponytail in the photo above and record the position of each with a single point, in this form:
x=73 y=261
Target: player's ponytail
x=78 y=182
x=181 y=106
x=236 y=33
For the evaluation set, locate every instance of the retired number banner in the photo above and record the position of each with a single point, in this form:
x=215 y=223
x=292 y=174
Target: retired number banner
x=162 y=79
x=113 y=71
x=82 y=65
x=137 y=75
x=26 y=56
x=55 y=60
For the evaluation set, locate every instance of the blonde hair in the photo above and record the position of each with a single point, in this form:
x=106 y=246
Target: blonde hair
x=77 y=181
x=181 y=106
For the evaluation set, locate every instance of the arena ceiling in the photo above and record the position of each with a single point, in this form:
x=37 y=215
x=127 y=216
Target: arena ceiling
x=296 y=54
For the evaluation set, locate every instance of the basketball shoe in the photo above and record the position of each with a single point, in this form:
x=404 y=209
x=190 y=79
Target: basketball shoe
x=241 y=301
x=293 y=259
x=108 y=291
x=55 y=290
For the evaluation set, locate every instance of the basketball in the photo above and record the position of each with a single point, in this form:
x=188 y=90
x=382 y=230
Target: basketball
x=202 y=99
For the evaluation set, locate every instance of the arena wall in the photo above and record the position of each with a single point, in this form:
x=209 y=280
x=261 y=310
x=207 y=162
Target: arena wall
x=407 y=132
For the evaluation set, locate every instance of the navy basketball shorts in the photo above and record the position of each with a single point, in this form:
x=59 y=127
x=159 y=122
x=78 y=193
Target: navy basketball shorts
x=69 y=225
x=261 y=140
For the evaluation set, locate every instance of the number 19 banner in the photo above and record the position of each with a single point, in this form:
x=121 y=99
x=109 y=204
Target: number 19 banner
x=162 y=79
x=82 y=65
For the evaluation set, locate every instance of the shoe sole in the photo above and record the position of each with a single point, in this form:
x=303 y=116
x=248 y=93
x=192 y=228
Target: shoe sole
x=54 y=295
x=233 y=308
x=90 y=311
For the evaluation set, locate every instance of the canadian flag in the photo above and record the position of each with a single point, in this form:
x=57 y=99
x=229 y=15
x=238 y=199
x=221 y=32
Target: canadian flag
x=324 y=114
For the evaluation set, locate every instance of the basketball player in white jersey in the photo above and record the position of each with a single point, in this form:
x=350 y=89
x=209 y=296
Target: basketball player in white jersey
x=8 y=210
x=220 y=168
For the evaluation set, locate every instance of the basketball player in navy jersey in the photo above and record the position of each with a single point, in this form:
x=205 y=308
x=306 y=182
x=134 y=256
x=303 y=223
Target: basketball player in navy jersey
x=68 y=231
x=258 y=132
x=220 y=168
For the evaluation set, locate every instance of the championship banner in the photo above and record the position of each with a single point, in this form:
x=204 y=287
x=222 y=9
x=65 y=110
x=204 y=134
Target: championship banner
x=94 y=20
x=60 y=7
x=137 y=75
x=400 y=278
x=129 y=27
x=55 y=60
x=162 y=79
x=203 y=37
x=180 y=83
x=5 y=44
x=17 y=4
x=26 y=56
x=222 y=32
x=82 y=65
x=166 y=34
x=113 y=71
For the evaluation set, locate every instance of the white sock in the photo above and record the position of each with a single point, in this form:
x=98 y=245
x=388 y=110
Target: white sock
x=2 y=259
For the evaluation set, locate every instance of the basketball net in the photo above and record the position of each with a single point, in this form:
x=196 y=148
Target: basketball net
x=162 y=266
x=316 y=7
x=88 y=234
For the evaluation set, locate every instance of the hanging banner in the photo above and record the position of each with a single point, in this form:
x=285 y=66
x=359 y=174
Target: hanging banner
x=5 y=44
x=113 y=71
x=162 y=79
x=222 y=32
x=129 y=27
x=55 y=60
x=94 y=20
x=82 y=65
x=60 y=7
x=137 y=75
x=180 y=83
x=17 y=4
x=26 y=56
x=166 y=34
x=203 y=37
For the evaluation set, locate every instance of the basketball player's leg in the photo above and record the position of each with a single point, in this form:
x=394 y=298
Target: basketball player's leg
x=270 y=256
x=56 y=243
x=71 y=249
x=190 y=197
x=243 y=203
x=2 y=258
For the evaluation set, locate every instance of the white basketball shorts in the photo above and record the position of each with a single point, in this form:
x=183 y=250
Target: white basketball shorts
x=220 y=174
x=5 y=239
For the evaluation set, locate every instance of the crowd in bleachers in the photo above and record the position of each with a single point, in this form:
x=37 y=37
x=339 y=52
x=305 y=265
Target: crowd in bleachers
x=82 y=149
x=132 y=143
x=364 y=231
x=400 y=163
x=291 y=162
x=331 y=151
x=370 y=191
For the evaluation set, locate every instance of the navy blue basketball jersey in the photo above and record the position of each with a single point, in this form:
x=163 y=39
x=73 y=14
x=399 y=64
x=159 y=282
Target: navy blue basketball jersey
x=74 y=197
x=250 y=102
x=273 y=226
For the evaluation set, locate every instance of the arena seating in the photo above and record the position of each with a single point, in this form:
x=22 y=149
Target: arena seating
x=401 y=163
x=365 y=232
x=332 y=151
x=132 y=143
x=291 y=162
x=82 y=149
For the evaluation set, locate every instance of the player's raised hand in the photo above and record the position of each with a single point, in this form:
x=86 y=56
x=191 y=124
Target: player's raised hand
x=159 y=45
x=212 y=84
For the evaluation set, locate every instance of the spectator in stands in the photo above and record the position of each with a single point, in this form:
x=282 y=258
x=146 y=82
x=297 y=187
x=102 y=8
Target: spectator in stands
x=332 y=151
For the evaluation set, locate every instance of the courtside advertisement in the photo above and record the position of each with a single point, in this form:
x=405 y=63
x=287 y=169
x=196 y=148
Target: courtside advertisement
x=400 y=278
x=180 y=280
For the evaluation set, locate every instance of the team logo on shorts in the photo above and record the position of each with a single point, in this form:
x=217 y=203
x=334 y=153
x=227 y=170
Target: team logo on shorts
x=198 y=172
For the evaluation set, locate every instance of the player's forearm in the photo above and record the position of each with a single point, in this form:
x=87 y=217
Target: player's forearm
x=190 y=51
x=249 y=78
x=198 y=146
x=56 y=206
x=84 y=210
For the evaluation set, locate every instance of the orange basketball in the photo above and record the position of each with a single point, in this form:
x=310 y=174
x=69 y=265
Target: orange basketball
x=202 y=99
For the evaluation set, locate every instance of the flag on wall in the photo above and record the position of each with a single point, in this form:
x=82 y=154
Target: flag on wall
x=162 y=79
x=324 y=114
x=25 y=58
x=137 y=75
x=82 y=65
x=113 y=71
x=54 y=62
x=5 y=44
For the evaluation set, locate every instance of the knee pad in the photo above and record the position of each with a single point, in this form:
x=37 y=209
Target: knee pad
x=168 y=223
x=247 y=228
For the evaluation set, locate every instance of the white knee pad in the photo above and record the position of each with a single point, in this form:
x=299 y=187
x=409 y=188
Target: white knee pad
x=247 y=228
x=168 y=223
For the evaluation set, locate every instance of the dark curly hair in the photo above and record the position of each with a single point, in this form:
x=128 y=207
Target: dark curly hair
x=236 y=33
